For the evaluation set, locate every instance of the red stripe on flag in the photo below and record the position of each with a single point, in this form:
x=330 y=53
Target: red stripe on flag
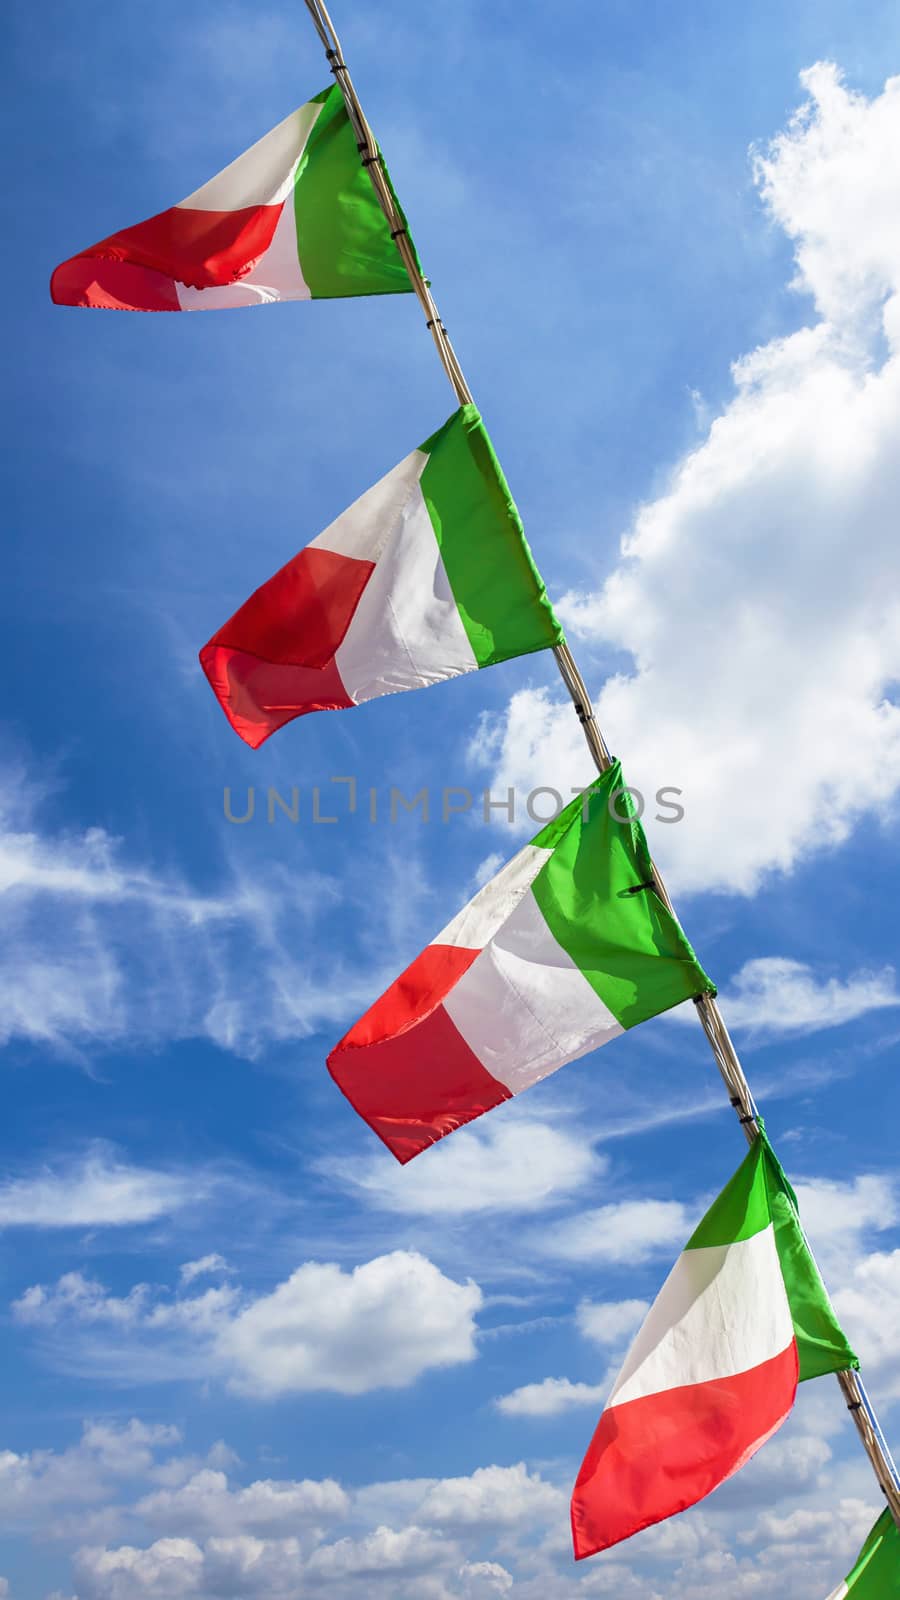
x=653 y=1457
x=274 y=659
x=411 y=996
x=415 y=1086
x=111 y=286
x=258 y=697
x=206 y=249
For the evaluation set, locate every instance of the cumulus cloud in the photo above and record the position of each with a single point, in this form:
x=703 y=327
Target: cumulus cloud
x=551 y=1397
x=221 y=1540
x=509 y=1164
x=36 y=1486
x=170 y=1567
x=868 y=1305
x=837 y=1210
x=497 y=1530
x=742 y=670
x=380 y=1325
x=207 y=1505
x=484 y=1578
x=381 y=1551
x=505 y=1497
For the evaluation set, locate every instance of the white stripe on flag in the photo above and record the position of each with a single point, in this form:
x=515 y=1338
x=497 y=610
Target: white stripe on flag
x=406 y=631
x=523 y=1007
x=722 y=1310
x=363 y=530
x=262 y=175
x=840 y=1593
x=475 y=925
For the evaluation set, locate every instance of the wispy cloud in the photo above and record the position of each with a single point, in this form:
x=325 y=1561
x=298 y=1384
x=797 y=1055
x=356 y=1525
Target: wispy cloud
x=508 y=1165
x=773 y=995
x=102 y=949
x=627 y=1232
x=97 y=1189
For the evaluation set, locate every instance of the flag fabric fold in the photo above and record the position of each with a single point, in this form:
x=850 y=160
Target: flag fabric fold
x=741 y=1319
x=567 y=947
x=293 y=218
x=426 y=576
x=876 y=1572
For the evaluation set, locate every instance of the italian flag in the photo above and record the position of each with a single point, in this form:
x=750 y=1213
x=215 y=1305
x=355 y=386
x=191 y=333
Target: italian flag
x=712 y=1374
x=293 y=218
x=876 y=1574
x=562 y=951
x=426 y=576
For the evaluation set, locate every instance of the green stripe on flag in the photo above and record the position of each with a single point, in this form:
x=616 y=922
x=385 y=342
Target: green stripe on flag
x=876 y=1575
x=742 y=1208
x=759 y=1193
x=498 y=590
x=627 y=945
x=343 y=239
x=821 y=1342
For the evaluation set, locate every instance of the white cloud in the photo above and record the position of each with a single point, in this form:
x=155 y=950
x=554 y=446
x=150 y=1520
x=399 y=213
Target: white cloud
x=775 y=995
x=170 y=1567
x=101 y=947
x=833 y=1209
x=844 y=1217
x=97 y=1190
x=868 y=1305
x=607 y=1322
x=492 y=1496
x=508 y=1164
x=743 y=668
x=808 y=1528
x=206 y=1505
x=189 y=1270
x=627 y=1232
x=487 y=868
x=381 y=1551
x=408 y=1540
x=551 y=1397
x=484 y=1578
x=496 y=1531
x=38 y=1485
x=379 y=1326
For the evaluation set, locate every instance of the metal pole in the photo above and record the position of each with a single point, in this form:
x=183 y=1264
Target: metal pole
x=711 y=1018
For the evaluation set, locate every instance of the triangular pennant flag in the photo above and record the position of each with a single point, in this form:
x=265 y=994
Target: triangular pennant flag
x=426 y=576
x=293 y=218
x=741 y=1319
x=562 y=951
x=876 y=1572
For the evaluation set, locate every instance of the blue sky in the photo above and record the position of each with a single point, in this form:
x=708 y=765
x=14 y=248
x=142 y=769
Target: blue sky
x=244 y=1353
